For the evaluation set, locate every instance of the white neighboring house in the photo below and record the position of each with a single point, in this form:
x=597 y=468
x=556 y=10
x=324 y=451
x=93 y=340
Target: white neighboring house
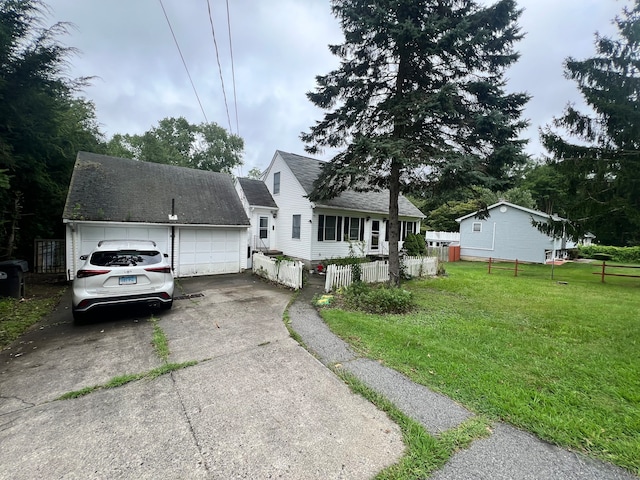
x=194 y=216
x=262 y=212
x=508 y=234
x=441 y=239
x=315 y=231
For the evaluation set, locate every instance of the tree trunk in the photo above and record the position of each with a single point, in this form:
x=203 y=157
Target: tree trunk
x=394 y=224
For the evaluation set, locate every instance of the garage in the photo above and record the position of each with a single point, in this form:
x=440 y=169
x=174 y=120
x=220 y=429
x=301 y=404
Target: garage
x=207 y=251
x=194 y=216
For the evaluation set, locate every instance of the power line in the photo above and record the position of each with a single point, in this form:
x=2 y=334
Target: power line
x=224 y=93
x=233 y=72
x=183 y=61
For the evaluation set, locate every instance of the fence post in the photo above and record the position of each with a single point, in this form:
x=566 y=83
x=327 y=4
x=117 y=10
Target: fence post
x=603 y=268
x=489 y=265
x=516 y=267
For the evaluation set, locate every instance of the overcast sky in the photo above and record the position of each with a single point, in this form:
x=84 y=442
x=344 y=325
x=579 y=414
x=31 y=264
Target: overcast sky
x=279 y=46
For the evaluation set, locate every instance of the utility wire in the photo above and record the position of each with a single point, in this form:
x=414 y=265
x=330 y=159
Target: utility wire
x=233 y=72
x=224 y=93
x=183 y=62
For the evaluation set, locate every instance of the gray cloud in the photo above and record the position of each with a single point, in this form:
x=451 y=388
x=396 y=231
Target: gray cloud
x=279 y=46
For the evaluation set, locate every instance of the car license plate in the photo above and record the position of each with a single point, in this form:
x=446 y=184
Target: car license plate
x=129 y=280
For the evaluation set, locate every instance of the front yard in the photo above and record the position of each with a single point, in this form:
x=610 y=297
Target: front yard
x=559 y=358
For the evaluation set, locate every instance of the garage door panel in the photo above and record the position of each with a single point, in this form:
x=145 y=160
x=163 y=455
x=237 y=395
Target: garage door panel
x=209 y=251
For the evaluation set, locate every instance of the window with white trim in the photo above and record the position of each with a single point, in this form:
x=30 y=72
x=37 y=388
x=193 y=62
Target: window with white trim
x=476 y=227
x=295 y=226
x=276 y=182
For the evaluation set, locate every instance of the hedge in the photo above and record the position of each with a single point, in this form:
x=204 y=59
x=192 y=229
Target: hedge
x=617 y=254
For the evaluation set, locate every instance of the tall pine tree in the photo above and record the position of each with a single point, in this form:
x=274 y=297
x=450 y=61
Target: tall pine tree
x=419 y=97
x=602 y=164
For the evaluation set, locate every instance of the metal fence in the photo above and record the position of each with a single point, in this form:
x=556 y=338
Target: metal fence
x=49 y=256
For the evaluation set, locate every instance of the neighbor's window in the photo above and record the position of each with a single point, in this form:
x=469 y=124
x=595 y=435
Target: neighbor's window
x=295 y=227
x=264 y=227
x=476 y=227
x=276 y=182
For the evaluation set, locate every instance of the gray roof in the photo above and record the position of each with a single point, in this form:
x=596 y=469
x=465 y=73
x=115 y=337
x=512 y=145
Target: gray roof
x=116 y=189
x=530 y=211
x=306 y=170
x=257 y=193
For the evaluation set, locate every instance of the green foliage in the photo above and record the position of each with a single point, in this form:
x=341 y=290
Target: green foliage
x=415 y=245
x=42 y=126
x=563 y=367
x=254 y=173
x=396 y=105
x=617 y=254
x=601 y=162
x=174 y=141
x=378 y=299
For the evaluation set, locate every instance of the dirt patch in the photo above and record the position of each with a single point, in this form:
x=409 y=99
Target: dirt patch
x=41 y=285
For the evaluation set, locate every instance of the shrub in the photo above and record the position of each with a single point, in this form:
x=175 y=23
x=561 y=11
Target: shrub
x=378 y=299
x=618 y=254
x=415 y=245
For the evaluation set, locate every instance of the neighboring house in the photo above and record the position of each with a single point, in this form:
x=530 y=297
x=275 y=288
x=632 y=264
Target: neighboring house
x=508 y=234
x=315 y=231
x=441 y=239
x=262 y=211
x=194 y=216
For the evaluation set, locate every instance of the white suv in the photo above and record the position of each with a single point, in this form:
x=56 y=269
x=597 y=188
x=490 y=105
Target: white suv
x=122 y=272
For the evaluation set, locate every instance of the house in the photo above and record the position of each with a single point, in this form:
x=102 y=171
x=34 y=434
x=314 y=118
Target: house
x=262 y=211
x=509 y=234
x=441 y=239
x=315 y=231
x=194 y=216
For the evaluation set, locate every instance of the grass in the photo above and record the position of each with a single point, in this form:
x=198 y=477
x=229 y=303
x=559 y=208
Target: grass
x=425 y=453
x=159 y=341
x=17 y=316
x=558 y=357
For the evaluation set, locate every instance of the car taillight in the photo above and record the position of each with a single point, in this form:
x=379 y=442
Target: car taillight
x=90 y=273
x=159 y=269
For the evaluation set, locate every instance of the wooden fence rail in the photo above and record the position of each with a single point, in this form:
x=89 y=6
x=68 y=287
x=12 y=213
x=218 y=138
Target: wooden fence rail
x=493 y=267
x=603 y=272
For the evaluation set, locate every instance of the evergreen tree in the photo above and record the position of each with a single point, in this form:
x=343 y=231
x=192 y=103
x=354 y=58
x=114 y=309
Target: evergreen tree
x=420 y=89
x=42 y=126
x=602 y=165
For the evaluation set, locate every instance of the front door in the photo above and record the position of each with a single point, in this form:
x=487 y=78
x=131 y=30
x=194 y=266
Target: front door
x=375 y=235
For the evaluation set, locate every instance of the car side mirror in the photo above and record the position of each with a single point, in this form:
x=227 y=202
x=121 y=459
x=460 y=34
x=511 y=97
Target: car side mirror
x=84 y=257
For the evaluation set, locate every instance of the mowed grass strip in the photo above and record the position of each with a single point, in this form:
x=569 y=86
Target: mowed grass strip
x=559 y=358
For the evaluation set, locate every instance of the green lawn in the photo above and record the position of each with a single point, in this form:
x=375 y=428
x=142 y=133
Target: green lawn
x=559 y=358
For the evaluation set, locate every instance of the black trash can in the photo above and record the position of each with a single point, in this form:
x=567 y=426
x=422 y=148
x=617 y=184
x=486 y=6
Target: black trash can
x=12 y=278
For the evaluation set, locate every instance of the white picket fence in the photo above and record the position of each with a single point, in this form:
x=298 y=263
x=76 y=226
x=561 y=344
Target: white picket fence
x=376 y=272
x=285 y=272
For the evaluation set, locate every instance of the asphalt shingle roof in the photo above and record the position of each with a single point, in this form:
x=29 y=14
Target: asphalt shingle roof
x=306 y=170
x=105 y=188
x=257 y=193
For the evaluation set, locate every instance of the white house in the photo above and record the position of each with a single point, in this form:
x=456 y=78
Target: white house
x=508 y=233
x=315 y=231
x=194 y=216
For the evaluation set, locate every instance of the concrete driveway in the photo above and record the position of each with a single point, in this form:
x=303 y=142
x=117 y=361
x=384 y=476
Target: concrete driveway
x=256 y=405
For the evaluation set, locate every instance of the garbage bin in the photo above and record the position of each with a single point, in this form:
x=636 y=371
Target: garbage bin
x=12 y=278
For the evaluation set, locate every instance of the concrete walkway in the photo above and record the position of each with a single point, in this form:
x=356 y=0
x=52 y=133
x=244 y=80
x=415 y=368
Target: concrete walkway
x=508 y=453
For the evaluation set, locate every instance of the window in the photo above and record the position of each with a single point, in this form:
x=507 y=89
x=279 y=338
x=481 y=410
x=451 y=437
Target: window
x=353 y=228
x=264 y=227
x=406 y=228
x=276 y=182
x=329 y=228
x=476 y=227
x=295 y=227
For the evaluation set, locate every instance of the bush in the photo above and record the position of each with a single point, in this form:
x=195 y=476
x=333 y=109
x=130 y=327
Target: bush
x=618 y=254
x=415 y=245
x=378 y=299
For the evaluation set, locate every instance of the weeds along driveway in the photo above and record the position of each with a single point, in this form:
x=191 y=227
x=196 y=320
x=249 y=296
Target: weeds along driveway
x=255 y=405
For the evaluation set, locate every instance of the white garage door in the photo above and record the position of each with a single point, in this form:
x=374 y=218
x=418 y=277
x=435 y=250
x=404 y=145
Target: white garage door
x=208 y=251
x=90 y=235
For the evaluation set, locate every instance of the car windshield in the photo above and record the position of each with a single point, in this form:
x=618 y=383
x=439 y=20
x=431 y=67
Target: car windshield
x=125 y=258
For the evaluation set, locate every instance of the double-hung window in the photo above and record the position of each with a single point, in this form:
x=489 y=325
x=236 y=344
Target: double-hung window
x=276 y=183
x=329 y=228
x=295 y=226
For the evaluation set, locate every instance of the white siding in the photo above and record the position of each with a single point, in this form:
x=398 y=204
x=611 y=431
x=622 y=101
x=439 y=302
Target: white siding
x=291 y=201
